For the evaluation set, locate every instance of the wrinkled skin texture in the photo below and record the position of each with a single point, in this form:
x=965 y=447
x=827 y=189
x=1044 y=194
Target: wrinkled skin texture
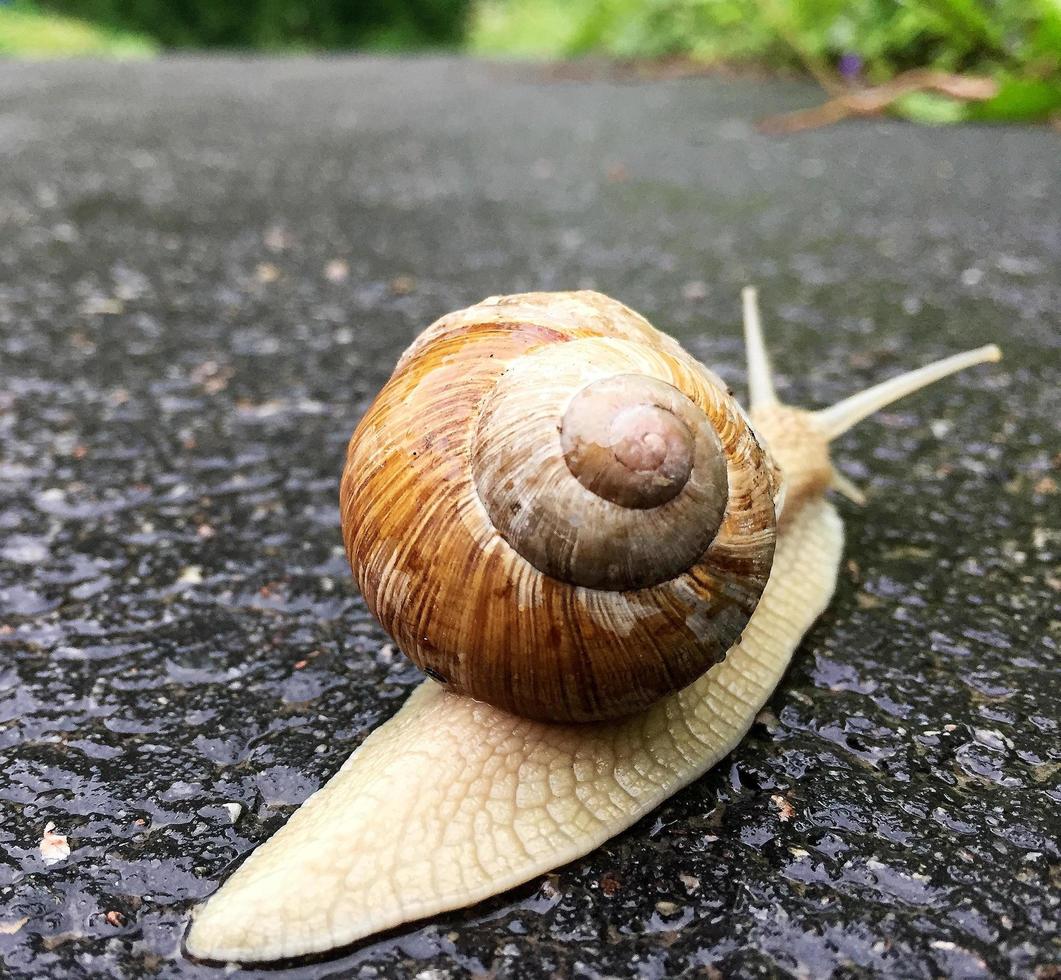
x=453 y=801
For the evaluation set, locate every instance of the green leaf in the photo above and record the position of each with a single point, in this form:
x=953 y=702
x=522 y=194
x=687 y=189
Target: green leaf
x=1044 y=42
x=931 y=108
x=1020 y=100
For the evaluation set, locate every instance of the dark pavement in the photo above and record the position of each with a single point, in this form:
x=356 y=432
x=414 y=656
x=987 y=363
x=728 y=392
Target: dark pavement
x=206 y=270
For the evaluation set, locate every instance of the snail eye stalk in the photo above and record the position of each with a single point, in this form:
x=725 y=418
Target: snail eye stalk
x=837 y=419
x=760 y=377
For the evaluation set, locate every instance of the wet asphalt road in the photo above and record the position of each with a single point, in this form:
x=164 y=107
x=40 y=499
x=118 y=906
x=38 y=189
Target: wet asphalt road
x=206 y=270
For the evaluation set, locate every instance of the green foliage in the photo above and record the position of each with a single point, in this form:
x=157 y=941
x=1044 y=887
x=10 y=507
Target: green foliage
x=887 y=36
x=930 y=108
x=1015 y=41
x=1020 y=100
x=278 y=24
x=27 y=33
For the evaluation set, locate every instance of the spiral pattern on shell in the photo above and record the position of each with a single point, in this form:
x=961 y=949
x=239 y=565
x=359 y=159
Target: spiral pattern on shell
x=554 y=508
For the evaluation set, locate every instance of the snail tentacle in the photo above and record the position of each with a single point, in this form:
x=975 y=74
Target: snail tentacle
x=760 y=376
x=848 y=488
x=835 y=420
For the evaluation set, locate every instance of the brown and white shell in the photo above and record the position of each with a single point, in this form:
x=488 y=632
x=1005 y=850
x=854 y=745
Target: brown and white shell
x=552 y=507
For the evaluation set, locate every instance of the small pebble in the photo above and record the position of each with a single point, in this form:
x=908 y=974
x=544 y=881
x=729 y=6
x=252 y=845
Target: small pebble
x=266 y=272
x=192 y=575
x=785 y=809
x=691 y=882
x=14 y=925
x=336 y=271
x=54 y=847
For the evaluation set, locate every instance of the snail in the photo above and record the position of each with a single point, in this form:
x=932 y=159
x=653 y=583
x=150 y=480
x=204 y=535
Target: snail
x=603 y=565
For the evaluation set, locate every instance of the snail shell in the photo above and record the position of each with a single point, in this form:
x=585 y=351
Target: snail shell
x=555 y=509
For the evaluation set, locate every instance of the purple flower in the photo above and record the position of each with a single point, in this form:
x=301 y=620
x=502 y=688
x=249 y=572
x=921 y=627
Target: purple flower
x=850 y=66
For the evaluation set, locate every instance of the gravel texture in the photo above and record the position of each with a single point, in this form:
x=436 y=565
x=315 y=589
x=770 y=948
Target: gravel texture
x=208 y=267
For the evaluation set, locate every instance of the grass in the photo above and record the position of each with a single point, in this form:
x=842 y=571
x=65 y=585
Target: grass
x=28 y=33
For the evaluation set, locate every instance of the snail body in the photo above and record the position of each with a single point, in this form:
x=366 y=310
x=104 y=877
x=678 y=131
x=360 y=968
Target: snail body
x=532 y=747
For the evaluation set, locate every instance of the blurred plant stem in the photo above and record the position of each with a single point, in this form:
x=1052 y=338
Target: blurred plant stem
x=879 y=98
